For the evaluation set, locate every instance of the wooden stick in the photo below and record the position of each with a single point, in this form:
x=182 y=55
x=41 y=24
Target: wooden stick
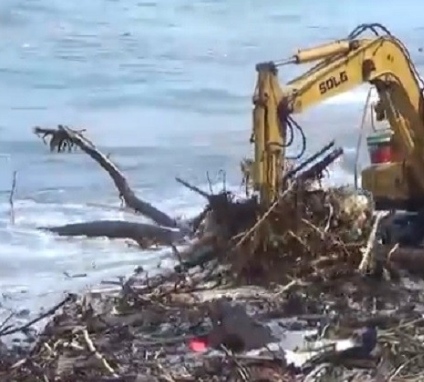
x=93 y=349
x=367 y=253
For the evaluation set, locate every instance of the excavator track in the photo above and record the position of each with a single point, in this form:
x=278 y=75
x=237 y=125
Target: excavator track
x=403 y=228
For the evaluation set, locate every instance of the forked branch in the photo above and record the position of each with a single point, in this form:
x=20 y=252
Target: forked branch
x=63 y=137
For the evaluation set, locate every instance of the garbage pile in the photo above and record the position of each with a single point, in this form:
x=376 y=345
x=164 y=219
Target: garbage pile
x=296 y=292
x=168 y=329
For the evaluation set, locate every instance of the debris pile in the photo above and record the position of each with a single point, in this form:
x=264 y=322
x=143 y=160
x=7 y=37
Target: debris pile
x=312 y=256
x=307 y=232
x=166 y=329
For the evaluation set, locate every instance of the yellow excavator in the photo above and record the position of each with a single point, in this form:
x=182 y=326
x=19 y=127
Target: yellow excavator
x=396 y=179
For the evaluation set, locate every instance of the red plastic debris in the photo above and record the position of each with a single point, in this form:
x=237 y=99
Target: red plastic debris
x=198 y=345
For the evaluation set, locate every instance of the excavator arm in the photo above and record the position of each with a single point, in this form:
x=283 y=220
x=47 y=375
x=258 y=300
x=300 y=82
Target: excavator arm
x=382 y=61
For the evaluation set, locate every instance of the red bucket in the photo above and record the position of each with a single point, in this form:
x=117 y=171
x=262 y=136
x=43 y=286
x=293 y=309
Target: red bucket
x=380 y=147
x=381 y=154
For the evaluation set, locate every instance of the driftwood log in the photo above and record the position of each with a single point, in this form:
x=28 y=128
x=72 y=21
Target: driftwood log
x=66 y=137
x=142 y=234
x=165 y=230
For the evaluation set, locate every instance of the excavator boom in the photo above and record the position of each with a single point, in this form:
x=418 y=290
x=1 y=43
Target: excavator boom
x=341 y=66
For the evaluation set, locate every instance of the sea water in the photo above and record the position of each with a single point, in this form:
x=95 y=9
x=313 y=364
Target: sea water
x=165 y=88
